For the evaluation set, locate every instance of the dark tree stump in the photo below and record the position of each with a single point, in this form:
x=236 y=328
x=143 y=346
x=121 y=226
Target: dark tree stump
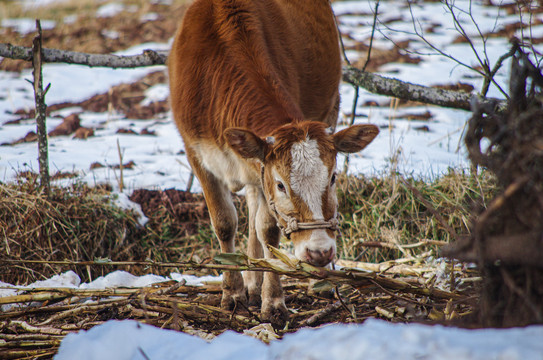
x=507 y=237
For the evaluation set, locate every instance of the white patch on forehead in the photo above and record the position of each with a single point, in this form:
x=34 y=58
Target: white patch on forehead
x=309 y=175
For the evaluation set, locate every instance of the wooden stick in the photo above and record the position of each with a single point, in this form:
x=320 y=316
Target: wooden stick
x=285 y=264
x=83 y=308
x=37 y=329
x=329 y=309
x=28 y=354
x=41 y=107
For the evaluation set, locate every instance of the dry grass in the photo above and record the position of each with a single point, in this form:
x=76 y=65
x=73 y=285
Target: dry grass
x=381 y=215
x=381 y=219
x=74 y=223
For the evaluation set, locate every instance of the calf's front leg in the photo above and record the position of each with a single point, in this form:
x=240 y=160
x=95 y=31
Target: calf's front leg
x=274 y=309
x=253 y=279
x=225 y=221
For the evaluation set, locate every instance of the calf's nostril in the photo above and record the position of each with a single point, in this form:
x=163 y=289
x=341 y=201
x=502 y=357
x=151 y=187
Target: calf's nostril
x=329 y=255
x=319 y=257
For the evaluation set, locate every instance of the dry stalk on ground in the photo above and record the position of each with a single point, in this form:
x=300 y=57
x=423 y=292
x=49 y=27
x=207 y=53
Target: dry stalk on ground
x=38 y=319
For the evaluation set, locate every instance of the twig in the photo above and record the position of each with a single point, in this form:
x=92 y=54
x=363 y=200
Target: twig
x=188 y=309
x=356 y=87
x=30 y=343
x=28 y=354
x=41 y=107
x=510 y=282
x=190 y=181
x=37 y=329
x=82 y=308
x=121 y=167
x=312 y=320
x=49 y=309
x=340 y=39
x=384 y=312
x=368 y=58
x=31 y=336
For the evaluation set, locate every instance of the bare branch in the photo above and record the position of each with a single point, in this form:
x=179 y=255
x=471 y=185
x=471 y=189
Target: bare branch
x=407 y=91
x=147 y=58
x=368 y=58
x=356 y=87
x=374 y=83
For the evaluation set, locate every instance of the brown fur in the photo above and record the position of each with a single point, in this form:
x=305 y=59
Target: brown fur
x=251 y=64
x=241 y=70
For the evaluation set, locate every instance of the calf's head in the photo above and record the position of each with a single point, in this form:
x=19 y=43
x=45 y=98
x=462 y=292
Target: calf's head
x=298 y=174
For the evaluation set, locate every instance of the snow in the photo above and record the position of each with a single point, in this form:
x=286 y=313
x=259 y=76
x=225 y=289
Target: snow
x=374 y=339
x=160 y=163
x=42 y=3
x=118 y=278
x=25 y=25
x=122 y=201
x=112 y=9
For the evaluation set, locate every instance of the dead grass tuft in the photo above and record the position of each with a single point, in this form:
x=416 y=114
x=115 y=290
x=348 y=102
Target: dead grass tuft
x=382 y=219
x=381 y=215
x=76 y=223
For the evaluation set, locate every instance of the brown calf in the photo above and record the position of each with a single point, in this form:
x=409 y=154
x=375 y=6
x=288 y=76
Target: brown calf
x=254 y=93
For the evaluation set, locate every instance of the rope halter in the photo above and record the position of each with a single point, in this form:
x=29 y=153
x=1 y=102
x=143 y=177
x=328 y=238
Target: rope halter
x=292 y=223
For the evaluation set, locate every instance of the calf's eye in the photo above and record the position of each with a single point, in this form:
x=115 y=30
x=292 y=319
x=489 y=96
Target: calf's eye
x=281 y=187
x=333 y=179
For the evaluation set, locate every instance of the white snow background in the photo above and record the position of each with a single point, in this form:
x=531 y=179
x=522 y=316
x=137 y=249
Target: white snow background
x=159 y=164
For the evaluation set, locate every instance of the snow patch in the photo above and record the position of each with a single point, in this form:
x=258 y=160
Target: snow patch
x=121 y=278
x=374 y=339
x=69 y=279
x=26 y=25
x=123 y=201
x=109 y=10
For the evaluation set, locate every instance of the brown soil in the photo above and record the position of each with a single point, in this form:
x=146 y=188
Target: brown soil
x=187 y=208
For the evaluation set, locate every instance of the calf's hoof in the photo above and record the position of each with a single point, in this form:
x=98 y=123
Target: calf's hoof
x=255 y=299
x=230 y=299
x=276 y=314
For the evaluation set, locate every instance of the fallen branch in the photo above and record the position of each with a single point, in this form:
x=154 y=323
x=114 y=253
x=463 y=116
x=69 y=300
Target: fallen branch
x=285 y=264
x=147 y=58
x=371 y=82
x=314 y=319
x=381 y=85
x=37 y=330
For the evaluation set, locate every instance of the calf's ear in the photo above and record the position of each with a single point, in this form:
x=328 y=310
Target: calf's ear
x=354 y=138
x=247 y=144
